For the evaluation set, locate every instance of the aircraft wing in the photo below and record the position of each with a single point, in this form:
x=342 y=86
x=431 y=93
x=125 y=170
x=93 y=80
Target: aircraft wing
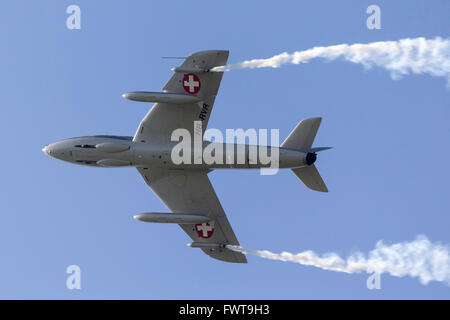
x=190 y=191
x=192 y=80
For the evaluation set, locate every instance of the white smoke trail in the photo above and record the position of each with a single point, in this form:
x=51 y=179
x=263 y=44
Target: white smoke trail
x=419 y=55
x=420 y=258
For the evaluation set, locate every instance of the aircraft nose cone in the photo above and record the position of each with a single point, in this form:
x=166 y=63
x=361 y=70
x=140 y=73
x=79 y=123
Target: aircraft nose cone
x=51 y=150
x=46 y=150
x=58 y=150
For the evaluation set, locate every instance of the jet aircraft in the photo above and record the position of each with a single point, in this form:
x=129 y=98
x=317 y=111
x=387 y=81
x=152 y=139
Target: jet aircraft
x=185 y=187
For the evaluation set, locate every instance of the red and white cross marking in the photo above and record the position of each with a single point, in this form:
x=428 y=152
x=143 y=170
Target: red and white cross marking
x=191 y=83
x=204 y=230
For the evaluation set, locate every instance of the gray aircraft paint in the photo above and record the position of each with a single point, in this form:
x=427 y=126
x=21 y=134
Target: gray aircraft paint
x=185 y=188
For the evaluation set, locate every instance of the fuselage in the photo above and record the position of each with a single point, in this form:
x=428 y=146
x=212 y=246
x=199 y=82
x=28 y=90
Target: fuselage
x=120 y=151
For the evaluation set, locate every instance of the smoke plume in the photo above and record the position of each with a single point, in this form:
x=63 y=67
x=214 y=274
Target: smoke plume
x=420 y=258
x=416 y=56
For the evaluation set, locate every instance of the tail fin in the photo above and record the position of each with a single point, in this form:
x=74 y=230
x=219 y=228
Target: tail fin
x=302 y=138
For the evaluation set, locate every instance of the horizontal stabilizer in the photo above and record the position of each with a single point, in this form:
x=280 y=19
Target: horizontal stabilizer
x=302 y=137
x=311 y=178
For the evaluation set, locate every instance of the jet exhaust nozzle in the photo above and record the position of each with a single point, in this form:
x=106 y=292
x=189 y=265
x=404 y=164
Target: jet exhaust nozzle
x=311 y=157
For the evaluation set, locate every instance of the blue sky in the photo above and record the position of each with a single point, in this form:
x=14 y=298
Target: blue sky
x=387 y=174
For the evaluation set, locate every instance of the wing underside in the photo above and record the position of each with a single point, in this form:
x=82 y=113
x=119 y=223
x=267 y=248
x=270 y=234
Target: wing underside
x=184 y=191
x=163 y=118
x=188 y=191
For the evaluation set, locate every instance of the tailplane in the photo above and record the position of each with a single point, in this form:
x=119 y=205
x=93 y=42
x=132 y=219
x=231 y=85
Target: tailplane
x=302 y=138
x=311 y=178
